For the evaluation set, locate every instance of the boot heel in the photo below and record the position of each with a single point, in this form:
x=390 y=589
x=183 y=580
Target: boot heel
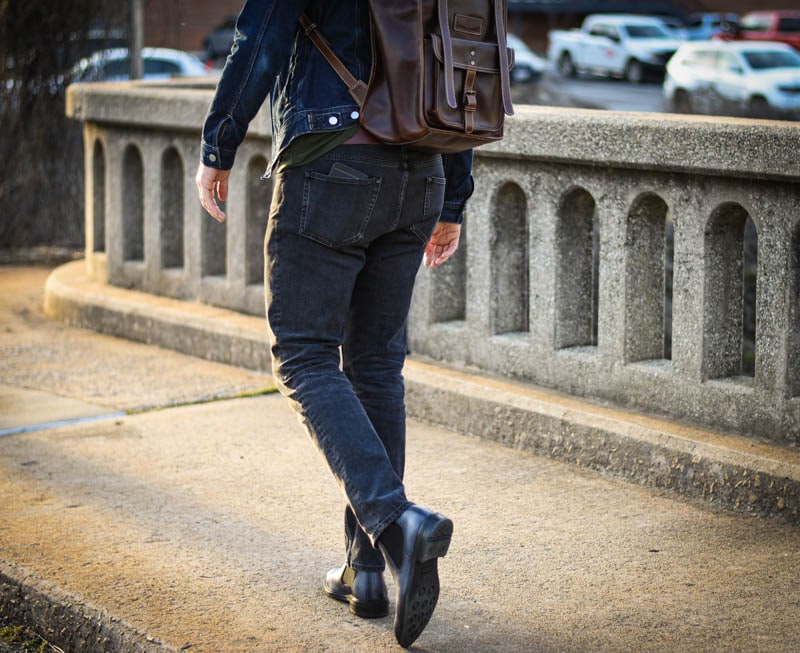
x=426 y=538
x=434 y=538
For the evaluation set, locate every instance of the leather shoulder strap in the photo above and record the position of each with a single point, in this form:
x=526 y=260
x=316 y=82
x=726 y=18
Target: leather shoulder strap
x=505 y=81
x=447 y=52
x=356 y=87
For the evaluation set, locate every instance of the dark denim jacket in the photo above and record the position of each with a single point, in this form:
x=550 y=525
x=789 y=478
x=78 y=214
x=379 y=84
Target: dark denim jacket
x=272 y=56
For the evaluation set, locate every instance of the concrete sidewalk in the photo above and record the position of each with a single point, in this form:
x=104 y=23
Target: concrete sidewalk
x=183 y=507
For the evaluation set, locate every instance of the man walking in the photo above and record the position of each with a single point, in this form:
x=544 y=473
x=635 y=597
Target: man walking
x=350 y=222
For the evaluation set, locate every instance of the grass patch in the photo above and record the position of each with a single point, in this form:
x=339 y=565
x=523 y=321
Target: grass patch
x=210 y=400
x=25 y=640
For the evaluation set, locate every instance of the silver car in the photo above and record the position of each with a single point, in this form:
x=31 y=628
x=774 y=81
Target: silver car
x=758 y=79
x=158 y=63
x=528 y=66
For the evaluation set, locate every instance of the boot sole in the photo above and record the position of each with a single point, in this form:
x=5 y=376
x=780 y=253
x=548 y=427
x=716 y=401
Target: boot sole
x=415 y=608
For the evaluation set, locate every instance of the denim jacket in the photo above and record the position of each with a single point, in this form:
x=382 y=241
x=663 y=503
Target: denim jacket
x=272 y=56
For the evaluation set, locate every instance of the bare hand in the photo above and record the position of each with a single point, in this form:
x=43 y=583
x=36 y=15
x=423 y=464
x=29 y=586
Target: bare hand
x=211 y=182
x=442 y=245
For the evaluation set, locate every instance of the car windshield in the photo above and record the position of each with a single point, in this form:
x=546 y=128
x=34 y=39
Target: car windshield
x=646 y=32
x=766 y=59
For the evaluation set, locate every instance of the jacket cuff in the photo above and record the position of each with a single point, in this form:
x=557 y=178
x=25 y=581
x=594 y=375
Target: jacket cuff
x=217 y=157
x=452 y=212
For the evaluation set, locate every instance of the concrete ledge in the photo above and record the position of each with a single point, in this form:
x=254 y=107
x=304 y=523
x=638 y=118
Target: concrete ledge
x=545 y=133
x=66 y=620
x=190 y=328
x=726 y=470
x=181 y=106
x=651 y=141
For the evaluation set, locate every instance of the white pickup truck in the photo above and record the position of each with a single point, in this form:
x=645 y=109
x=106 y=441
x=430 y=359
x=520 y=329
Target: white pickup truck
x=626 y=46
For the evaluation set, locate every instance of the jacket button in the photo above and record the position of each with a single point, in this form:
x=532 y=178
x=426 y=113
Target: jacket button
x=212 y=157
x=354 y=115
x=333 y=120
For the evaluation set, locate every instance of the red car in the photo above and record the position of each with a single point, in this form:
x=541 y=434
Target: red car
x=782 y=26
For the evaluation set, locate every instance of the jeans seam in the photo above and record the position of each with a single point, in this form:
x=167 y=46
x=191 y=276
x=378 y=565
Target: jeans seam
x=401 y=198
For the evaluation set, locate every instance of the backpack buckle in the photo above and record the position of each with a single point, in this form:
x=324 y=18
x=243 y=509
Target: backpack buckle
x=470 y=100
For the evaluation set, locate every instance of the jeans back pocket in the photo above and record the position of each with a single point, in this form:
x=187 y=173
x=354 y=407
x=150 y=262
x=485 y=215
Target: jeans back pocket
x=337 y=210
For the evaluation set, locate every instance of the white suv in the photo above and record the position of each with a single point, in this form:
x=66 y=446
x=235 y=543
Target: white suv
x=759 y=79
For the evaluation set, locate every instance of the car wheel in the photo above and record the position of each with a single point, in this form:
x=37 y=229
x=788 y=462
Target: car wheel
x=759 y=108
x=681 y=102
x=634 y=72
x=521 y=74
x=565 y=66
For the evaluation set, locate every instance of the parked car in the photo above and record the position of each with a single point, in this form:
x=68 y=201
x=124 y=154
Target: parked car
x=158 y=63
x=701 y=27
x=675 y=26
x=781 y=26
x=626 y=46
x=746 y=78
x=219 y=40
x=528 y=66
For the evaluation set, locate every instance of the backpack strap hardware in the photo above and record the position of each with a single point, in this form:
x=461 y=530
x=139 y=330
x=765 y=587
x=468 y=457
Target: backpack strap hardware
x=356 y=88
x=470 y=102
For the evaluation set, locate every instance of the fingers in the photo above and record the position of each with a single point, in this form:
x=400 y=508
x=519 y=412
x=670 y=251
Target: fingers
x=442 y=245
x=222 y=189
x=210 y=204
x=435 y=256
x=212 y=183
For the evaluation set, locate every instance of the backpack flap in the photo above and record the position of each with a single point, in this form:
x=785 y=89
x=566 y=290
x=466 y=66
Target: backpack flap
x=474 y=67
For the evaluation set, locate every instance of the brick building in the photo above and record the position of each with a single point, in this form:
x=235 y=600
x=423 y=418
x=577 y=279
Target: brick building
x=183 y=24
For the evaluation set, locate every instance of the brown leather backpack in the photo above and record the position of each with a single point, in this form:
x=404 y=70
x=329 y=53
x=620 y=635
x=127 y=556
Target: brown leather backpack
x=440 y=73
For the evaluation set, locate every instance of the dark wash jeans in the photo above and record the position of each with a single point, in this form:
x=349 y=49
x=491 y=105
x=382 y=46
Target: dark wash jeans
x=344 y=242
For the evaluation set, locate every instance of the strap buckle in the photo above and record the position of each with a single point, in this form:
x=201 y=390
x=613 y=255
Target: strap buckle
x=470 y=100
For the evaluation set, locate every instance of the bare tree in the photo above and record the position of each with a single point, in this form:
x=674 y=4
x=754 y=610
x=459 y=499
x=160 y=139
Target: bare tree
x=41 y=152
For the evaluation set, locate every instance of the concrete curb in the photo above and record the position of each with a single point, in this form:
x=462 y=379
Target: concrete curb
x=67 y=620
x=727 y=471
x=187 y=327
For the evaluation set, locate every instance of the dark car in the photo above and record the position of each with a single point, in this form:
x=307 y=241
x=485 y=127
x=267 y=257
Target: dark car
x=219 y=40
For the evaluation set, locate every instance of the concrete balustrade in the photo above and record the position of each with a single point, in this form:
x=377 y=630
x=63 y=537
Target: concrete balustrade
x=613 y=256
x=142 y=209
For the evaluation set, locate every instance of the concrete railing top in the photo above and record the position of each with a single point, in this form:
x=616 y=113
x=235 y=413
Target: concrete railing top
x=645 y=141
x=653 y=141
x=179 y=105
